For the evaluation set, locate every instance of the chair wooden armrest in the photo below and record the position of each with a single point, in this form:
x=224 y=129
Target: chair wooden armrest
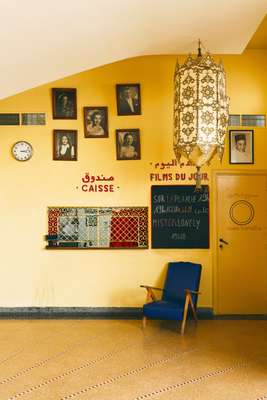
x=151 y=287
x=192 y=291
x=150 y=295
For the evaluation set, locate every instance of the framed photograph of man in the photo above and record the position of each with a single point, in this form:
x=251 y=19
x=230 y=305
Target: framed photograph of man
x=64 y=103
x=128 y=144
x=241 y=145
x=65 y=145
x=128 y=99
x=95 y=122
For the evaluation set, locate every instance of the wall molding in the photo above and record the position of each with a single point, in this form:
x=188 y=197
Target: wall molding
x=204 y=313
x=71 y=312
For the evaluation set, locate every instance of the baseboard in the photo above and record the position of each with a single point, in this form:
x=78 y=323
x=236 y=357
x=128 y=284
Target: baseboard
x=207 y=313
x=204 y=313
x=239 y=317
x=70 y=313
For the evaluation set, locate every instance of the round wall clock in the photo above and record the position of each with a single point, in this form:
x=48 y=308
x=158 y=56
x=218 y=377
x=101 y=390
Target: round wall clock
x=22 y=151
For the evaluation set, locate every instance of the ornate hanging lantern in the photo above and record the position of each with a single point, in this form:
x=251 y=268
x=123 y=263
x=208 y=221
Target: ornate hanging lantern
x=200 y=110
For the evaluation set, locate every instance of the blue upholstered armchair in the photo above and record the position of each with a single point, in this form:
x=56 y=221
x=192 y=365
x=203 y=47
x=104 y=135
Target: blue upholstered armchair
x=180 y=290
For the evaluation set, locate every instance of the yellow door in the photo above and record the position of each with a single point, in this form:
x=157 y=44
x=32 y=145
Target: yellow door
x=241 y=219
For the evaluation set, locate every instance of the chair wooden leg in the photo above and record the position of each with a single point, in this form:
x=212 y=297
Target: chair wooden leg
x=193 y=308
x=144 y=322
x=185 y=314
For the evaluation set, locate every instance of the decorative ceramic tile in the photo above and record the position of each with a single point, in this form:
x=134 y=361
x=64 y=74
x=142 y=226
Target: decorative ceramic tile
x=98 y=227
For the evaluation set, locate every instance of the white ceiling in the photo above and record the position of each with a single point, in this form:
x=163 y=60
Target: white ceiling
x=42 y=41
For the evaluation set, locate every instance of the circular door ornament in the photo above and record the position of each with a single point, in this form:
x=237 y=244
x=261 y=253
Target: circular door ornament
x=242 y=212
x=22 y=151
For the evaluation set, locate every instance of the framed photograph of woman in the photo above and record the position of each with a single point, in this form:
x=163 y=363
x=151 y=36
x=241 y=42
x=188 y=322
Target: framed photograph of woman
x=128 y=99
x=65 y=145
x=128 y=144
x=95 y=122
x=64 y=103
x=241 y=145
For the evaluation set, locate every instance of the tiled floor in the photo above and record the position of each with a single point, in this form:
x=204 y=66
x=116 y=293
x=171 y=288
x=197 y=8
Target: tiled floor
x=101 y=359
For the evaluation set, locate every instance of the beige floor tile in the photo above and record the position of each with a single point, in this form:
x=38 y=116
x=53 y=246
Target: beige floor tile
x=113 y=359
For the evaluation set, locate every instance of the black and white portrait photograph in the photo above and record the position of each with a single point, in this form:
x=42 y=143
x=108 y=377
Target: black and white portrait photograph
x=65 y=145
x=128 y=99
x=241 y=144
x=95 y=122
x=128 y=144
x=64 y=103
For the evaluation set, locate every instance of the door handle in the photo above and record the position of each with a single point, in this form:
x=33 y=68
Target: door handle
x=223 y=241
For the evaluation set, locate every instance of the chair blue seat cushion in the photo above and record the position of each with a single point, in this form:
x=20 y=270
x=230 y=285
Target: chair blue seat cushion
x=164 y=310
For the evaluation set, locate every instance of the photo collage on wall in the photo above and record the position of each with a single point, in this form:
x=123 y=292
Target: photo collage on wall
x=95 y=118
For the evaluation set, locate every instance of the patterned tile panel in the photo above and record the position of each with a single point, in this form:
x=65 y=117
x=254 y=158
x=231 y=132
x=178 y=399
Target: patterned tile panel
x=98 y=227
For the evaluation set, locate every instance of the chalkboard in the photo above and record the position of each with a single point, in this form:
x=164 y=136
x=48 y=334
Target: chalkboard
x=180 y=217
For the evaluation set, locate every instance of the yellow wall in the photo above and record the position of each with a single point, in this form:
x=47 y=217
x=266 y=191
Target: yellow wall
x=33 y=276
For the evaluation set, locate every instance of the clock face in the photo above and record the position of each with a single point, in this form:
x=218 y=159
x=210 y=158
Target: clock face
x=22 y=151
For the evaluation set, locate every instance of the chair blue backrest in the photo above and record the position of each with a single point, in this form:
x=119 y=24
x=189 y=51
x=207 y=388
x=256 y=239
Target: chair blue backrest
x=181 y=276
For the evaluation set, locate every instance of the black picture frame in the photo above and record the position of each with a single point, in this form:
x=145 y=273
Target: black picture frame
x=64 y=150
x=95 y=122
x=128 y=99
x=241 y=146
x=128 y=144
x=64 y=101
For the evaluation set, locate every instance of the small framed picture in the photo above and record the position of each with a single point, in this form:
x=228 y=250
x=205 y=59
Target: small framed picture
x=33 y=119
x=128 y=99
x=128 y=144
x=241 y=145
x=95 y=122
x=65 y=145
x=64 y=103
x=9 y=119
